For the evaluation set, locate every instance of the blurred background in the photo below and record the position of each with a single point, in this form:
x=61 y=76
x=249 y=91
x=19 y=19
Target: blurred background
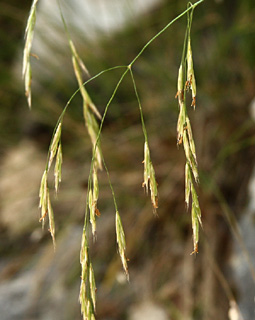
x=166 y=282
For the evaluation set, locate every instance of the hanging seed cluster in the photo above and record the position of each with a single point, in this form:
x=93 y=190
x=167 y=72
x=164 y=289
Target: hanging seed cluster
x=149 y=182
x=88 y=289
x=186 y=82
x=55 y=151
x=26 y=69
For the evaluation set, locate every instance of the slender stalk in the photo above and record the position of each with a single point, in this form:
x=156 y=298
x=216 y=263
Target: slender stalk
x=164 y=29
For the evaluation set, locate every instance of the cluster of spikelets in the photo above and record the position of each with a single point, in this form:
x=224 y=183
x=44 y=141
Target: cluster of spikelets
x=150 y=182
x=55 y=151
x=29 y=33
x=186 y=82
x=88 y=288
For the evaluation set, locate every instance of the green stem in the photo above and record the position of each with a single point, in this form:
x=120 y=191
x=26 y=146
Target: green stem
x=140 y=106
x=94 y=149
x=164 y=29
x=60 y=119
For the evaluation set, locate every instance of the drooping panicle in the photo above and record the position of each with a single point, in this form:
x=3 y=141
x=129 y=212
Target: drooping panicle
x=26 y=69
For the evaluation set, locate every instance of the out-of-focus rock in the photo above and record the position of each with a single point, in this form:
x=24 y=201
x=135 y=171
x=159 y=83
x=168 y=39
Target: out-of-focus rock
x=147 y=310
x=20 y=172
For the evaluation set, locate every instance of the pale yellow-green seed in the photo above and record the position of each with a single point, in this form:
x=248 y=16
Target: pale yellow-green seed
x=28 y=79
x=195 y=227
x=92 y=212
x=92 y=285
x=54 y=144
x=180 y=79
x=92 y=127
x=58 y=168
x=181 y=122
x=180 y=86
x=77 y=57
x=153 y=188
x=196 y=203
x=95 y=186
x=26 y=69
x=86 y=98
x=190 y=73
x=188 y=181
x=146 y=163
x=121 y=243
x=43 y=204
x=189 y=156
x=51 y=221
x=191 y=140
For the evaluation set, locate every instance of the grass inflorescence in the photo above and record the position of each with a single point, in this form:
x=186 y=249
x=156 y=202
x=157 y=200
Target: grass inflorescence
x=186 y=82
x=94 y=122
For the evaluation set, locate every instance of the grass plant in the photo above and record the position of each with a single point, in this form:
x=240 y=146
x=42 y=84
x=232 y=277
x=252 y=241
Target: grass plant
x=94 y=122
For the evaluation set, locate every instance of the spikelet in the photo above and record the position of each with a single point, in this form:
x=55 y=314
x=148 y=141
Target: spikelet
x=188 y=182
x=191 y=81
x=77 y=57
x=26 y=69
x=153 y=188
x=92 y=285
x=43 y=193
x=121 y=242
x=196 y=218
x=88 y=289
x=180 y=86
x=146 y=163
x=95 y=186
x=92 y=213
x=85 y=96
x=191 y=140
x=181 y=122
x=54 y=144
x=58 y=167
x=149 y=177
x=84 y=260
x=189 y=156
x=51 y=221
x=93 y=129
x=93 y=197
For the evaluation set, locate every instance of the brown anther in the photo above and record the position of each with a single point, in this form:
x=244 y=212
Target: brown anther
x=193 y=104
x=34 y=55
x=42 y=217
x=97 y=212
x=190 y=80
x=155 y=203
x=179 y=141
x=187 y=85
x=195 y=250
x=180 y=95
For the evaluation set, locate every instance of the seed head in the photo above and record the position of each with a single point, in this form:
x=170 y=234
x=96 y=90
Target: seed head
x=51 y=221
x=190 y=74
x=146 y=163
x=188 y=182
x=58 y=167
x=121 y=243
x=54 y=144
